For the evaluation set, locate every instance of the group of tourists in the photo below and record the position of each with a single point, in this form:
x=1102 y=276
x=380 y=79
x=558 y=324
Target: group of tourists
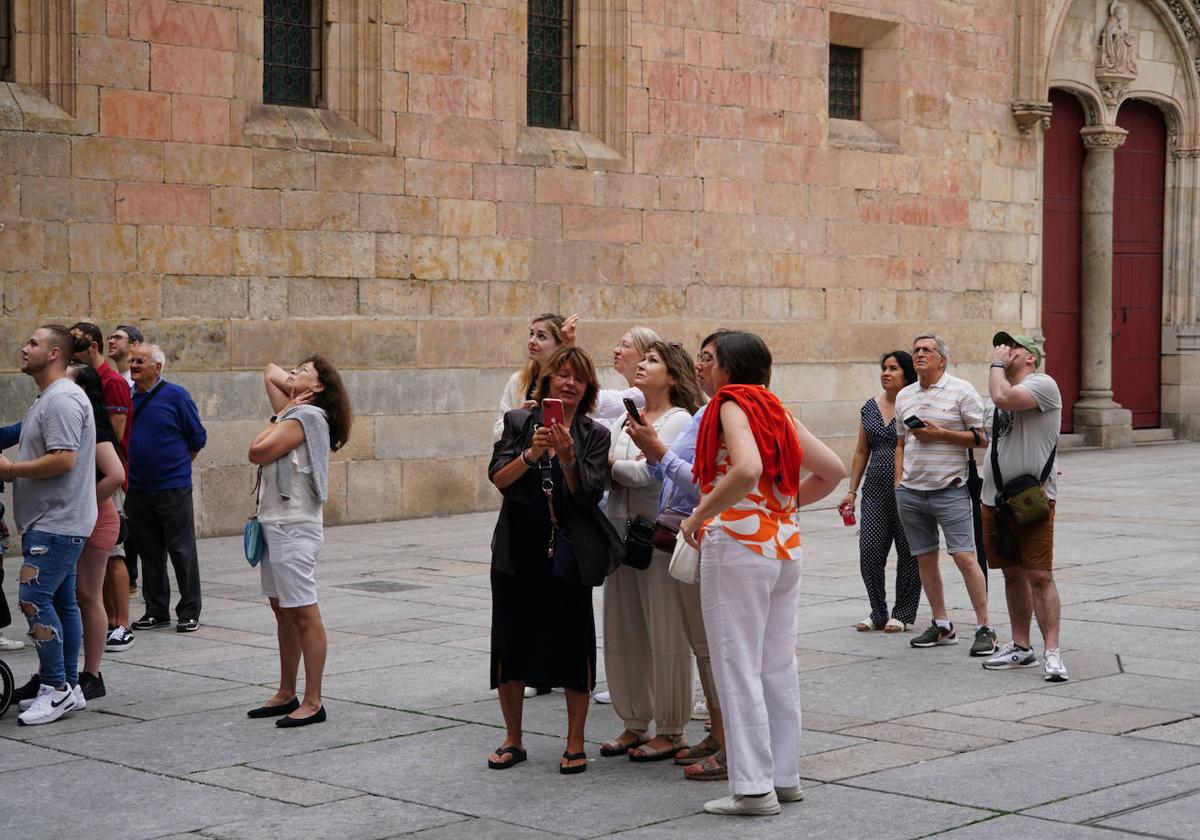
x=701 y=453
x=103 y=477
x=612 y=487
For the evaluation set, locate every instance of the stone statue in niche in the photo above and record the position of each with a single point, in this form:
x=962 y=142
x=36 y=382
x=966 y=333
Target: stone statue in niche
x=1115 y=64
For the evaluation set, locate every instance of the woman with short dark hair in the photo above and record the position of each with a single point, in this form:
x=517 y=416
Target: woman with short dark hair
x=879 y=526
x=748 y=457
x=312 y=418
x=543 y=631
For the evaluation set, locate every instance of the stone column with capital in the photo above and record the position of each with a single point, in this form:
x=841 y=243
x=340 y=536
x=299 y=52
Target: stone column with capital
x=1097 y=416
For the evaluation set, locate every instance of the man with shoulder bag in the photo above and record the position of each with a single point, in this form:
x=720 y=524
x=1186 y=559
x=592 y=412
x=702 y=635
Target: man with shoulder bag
x=1019 y=490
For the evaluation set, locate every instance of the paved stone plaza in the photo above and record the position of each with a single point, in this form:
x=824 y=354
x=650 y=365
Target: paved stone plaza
x=899 y=743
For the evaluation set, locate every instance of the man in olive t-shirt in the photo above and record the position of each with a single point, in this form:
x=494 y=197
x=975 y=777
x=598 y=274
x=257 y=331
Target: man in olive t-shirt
x=1026 y=415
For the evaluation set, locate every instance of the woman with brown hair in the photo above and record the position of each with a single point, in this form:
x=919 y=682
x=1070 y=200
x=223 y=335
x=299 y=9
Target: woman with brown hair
x=542 y=626
x=647 y=658
x=312 y=418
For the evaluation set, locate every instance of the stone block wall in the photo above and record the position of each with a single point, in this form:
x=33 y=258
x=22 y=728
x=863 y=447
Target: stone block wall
x=410 y=240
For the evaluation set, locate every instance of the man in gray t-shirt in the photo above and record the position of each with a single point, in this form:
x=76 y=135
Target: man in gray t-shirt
x=54 y=504
x=1026 y=414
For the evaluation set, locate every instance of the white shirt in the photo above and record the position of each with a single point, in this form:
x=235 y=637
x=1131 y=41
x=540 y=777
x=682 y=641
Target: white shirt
x=302 y=506
x=950 y=403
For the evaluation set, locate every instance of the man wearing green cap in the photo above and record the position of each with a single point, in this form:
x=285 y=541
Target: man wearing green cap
x=1025 y=416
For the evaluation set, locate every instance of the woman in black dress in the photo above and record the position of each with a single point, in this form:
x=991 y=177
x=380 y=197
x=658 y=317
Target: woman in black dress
x=542 y=627
x=880 y=524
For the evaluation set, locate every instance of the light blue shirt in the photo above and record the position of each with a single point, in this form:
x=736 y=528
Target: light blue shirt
x=680 y=491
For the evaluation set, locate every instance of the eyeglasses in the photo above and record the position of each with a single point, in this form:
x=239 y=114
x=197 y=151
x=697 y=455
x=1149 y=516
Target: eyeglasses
x=704 y=358
x=917 y=351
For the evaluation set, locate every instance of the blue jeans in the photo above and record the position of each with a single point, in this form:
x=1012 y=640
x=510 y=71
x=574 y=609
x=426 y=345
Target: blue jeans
x=47 y=597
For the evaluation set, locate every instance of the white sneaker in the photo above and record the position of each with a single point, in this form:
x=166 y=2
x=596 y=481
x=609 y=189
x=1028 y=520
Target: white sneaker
x=602 y=697
x=530 y=691
x=744 y=806
x=1011 y=656
x=789 y=794
x=49 y=705
x=1056 y=669
x=11 y=644
x=700 y=710
x=80 y=701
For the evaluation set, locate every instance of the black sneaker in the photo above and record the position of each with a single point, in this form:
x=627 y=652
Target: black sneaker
x=118 y=640
x=187 y=625
x=149 y=622
x=92 y=685
x=27 y=691
x=935 y=636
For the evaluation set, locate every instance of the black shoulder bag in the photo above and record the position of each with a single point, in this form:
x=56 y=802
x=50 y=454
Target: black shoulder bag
x=1022 y=499
x=153 y=393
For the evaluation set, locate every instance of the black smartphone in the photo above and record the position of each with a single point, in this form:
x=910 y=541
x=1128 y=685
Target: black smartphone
x=914 y=422
x=632 y=410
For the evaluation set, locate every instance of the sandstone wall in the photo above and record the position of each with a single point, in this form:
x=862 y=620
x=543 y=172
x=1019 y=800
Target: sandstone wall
x=411 y=242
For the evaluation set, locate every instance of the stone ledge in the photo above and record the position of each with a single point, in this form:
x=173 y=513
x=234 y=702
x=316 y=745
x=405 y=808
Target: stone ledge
x=316 y=129
x=854 y=134
x=568 y=149
x=23 y=108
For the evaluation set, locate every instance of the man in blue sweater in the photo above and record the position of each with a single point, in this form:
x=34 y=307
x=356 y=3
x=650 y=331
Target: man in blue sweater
x=167 y=436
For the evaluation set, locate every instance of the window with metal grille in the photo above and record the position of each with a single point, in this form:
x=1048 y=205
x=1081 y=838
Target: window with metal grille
x=292 y=52
x=549 y=70
x=845 y=83
x=6 y=40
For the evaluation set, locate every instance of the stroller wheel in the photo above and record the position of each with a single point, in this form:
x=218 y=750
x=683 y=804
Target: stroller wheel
x=6 y=687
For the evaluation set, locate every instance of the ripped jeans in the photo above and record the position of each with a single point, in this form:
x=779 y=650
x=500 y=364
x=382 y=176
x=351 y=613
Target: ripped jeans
x=47 y=598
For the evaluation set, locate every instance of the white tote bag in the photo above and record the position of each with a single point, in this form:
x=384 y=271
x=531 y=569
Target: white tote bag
x=685 y=561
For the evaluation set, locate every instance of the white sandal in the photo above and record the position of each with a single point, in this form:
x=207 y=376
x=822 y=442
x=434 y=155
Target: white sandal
x=866 y=626
x=894 y=625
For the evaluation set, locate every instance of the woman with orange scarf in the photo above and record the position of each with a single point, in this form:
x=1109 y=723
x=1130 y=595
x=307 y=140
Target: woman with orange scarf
x=748 y=455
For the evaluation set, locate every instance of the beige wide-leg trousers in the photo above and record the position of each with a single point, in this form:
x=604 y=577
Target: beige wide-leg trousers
x=647 y=658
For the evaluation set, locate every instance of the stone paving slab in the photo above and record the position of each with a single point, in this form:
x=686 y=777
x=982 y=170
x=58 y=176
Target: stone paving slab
x=273 y=785
x=361 y=818
x=1013 y=827
x=1139 y=690
x=479 y=829
x=989 y=778
x=1110 y=719
x=919 y=736
x=105 y=800
x=1183 y=732
x=982 y=727
x=1178 y=818
x=1111 y=801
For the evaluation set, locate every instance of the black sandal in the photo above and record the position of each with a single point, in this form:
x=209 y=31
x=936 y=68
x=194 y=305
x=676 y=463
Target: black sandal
x=567 y=770
x=518 y=755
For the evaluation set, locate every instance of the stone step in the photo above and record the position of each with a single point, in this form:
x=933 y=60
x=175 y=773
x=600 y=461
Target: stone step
x=1153 y=436
x=1071 y=442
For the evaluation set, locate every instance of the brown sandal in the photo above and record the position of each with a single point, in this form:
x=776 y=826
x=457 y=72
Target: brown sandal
x=644 y=753
x=710 y=769
x=698 y=752
x=615 y=747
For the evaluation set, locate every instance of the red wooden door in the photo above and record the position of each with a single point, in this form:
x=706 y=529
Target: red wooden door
x=1138 y=262
x=1062 y=187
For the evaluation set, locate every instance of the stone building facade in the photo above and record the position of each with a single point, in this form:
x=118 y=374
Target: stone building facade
x=406 y=219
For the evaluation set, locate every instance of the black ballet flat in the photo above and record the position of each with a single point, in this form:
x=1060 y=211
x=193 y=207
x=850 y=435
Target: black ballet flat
x=288 y=722
x=275 y=711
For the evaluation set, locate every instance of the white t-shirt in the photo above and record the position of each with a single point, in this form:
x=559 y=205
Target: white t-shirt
x=951 y=403
x=1026 y=437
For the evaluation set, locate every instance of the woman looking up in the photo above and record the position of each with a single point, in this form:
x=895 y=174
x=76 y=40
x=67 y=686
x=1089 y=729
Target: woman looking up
x=647 y=658
x=873 y=468
x=748 y=458
x=542 y=626
x=312 y=418
x=547 y=332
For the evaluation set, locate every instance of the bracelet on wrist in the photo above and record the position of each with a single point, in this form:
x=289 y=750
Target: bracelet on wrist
x=568 y=465
x=996 y=365
x=525 y=459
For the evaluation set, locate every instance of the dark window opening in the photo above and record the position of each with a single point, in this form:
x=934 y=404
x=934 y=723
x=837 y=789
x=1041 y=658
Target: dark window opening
x=845 y=83
x=292 y=52
x=549 y=69
x=6 y=41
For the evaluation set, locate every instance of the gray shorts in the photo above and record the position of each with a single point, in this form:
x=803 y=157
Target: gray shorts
x=289 y=563
x=922 y=511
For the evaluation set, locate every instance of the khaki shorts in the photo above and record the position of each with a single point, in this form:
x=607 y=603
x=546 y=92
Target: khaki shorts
x=1035 y=543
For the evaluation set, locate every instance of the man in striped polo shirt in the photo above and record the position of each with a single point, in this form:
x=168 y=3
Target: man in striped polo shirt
x=940 y=417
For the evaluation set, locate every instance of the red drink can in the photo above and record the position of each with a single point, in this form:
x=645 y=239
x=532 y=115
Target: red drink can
x=847 y=515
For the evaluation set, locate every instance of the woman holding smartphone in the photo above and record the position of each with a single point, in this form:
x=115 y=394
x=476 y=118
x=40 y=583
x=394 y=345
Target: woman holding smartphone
x=542 y=626
x=748 y=457
x=312 y=419
x=873 y=468
x=647 y=658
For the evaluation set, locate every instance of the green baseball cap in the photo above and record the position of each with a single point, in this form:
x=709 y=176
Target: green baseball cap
x=1020 y=341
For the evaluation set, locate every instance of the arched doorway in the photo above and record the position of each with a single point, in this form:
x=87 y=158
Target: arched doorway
x=1138 y=191
x=1062 y=195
